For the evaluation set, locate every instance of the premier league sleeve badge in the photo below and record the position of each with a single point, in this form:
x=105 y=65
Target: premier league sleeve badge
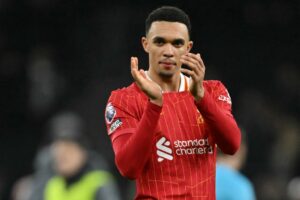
x=110 y=113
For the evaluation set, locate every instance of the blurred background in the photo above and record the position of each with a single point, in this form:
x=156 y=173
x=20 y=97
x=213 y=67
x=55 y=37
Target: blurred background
x=69 y=55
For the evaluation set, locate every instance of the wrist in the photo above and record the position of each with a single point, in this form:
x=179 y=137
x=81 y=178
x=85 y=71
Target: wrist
x=199 y=95
x=157 y=101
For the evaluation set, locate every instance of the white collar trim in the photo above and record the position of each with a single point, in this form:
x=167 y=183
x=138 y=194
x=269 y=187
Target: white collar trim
x=184 y=81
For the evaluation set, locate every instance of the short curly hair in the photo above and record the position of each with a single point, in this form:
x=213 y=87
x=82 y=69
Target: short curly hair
x=169 y=14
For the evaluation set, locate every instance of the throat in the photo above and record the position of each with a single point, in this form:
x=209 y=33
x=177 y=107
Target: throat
x=170 y=86
x=168 y=83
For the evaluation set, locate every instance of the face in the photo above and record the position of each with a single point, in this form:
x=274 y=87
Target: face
x=165 y=43
x=68 y=157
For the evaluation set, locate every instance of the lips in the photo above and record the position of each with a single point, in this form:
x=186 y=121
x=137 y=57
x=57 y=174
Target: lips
x=168 y=63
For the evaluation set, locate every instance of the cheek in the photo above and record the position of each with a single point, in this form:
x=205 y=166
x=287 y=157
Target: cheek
x=183 y=51
x=155 y=51
x=154 y=54
x=179 y=53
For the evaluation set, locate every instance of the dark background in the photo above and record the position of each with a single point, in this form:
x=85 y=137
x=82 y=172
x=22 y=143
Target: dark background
x=69 y=55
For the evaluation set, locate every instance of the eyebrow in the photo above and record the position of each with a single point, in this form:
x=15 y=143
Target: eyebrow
x=178 y=41
x=175 y=41
x=159 y=39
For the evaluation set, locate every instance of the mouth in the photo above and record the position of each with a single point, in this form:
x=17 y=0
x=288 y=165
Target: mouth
x=167 y=64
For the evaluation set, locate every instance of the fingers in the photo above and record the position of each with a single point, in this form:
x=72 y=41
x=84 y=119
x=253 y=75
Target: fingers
x=196 y=71
x=143 y=73
x=138 y=75
x=191 y=63
x=134 y=67
x=189 y=73
x=194 y=61
x=198 y=57
x=134 y=63
x=150 y=88
x=196 y=65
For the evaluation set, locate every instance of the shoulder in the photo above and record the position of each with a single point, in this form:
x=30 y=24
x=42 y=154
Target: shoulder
x=236 y=178
x=55 y=179
x=224 y=172
x=98 y=177
x=125 y=94
x=229 y=178
x=129 y=90
x=129 y=100
x=228 y=174
x=218 y=90
x=213 y=84
x=54 y=182
x=245 y=182
x=245 y=186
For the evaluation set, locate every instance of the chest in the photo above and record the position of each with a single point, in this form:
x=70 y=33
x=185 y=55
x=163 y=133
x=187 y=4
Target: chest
x=182 y=136
x=180 y=119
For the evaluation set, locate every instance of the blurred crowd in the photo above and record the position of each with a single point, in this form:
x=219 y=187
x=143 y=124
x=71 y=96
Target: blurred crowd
x=59 y=60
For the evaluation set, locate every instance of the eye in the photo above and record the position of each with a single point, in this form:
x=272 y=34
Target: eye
x=178 y=43
x=159 y=41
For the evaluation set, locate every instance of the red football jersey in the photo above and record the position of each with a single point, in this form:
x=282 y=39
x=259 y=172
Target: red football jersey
x=180 y=162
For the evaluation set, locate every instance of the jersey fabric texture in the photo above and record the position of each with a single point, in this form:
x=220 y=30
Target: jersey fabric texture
x=232 y=185
x=171 y=150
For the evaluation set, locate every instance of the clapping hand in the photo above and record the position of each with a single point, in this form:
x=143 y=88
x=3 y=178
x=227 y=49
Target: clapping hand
x=149 y=87
x=196 y=71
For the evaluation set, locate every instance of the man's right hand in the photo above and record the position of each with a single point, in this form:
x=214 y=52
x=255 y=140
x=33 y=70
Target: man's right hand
x=150 y=88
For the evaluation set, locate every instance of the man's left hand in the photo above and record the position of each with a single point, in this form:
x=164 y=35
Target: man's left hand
x=196 y=72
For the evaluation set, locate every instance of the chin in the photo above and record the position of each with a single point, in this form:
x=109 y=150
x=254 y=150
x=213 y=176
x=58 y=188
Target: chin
x=166 y=74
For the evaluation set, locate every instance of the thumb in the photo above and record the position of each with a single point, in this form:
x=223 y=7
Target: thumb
x=143 y=73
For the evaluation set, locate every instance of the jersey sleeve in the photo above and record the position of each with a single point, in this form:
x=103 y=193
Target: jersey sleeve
x=215 y=107
x=131 y=132
x=221 y=96
x=120 y=116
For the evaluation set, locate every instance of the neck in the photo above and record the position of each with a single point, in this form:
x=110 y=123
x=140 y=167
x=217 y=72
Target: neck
x=76 y=176
x=167 y=83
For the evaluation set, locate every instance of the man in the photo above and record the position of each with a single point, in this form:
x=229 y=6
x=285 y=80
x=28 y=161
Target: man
x=76 y=177
x=231 y=184
x=165 y=127
x=79 y=172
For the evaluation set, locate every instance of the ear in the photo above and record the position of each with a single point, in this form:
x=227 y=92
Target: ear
x=144 y=41
x=190 y=46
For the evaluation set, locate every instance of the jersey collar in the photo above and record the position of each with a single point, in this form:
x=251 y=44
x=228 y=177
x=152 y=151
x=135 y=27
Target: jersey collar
x=184 y=82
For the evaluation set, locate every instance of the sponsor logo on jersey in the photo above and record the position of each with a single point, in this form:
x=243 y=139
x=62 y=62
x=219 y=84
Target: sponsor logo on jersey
x=182 y=147
x=190 y=147
x=114 y=126
x=200 y=119
x=163 y=149
x=110 y=113
x=227 y=98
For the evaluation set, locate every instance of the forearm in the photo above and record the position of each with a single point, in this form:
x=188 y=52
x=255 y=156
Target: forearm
x=132 y=149
x=225 y=130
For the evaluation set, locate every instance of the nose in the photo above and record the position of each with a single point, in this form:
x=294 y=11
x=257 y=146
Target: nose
x=168 y=51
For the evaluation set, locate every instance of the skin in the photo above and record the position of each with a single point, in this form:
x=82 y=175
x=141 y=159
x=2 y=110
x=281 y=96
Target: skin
x=168 y=46
x=68 y=156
